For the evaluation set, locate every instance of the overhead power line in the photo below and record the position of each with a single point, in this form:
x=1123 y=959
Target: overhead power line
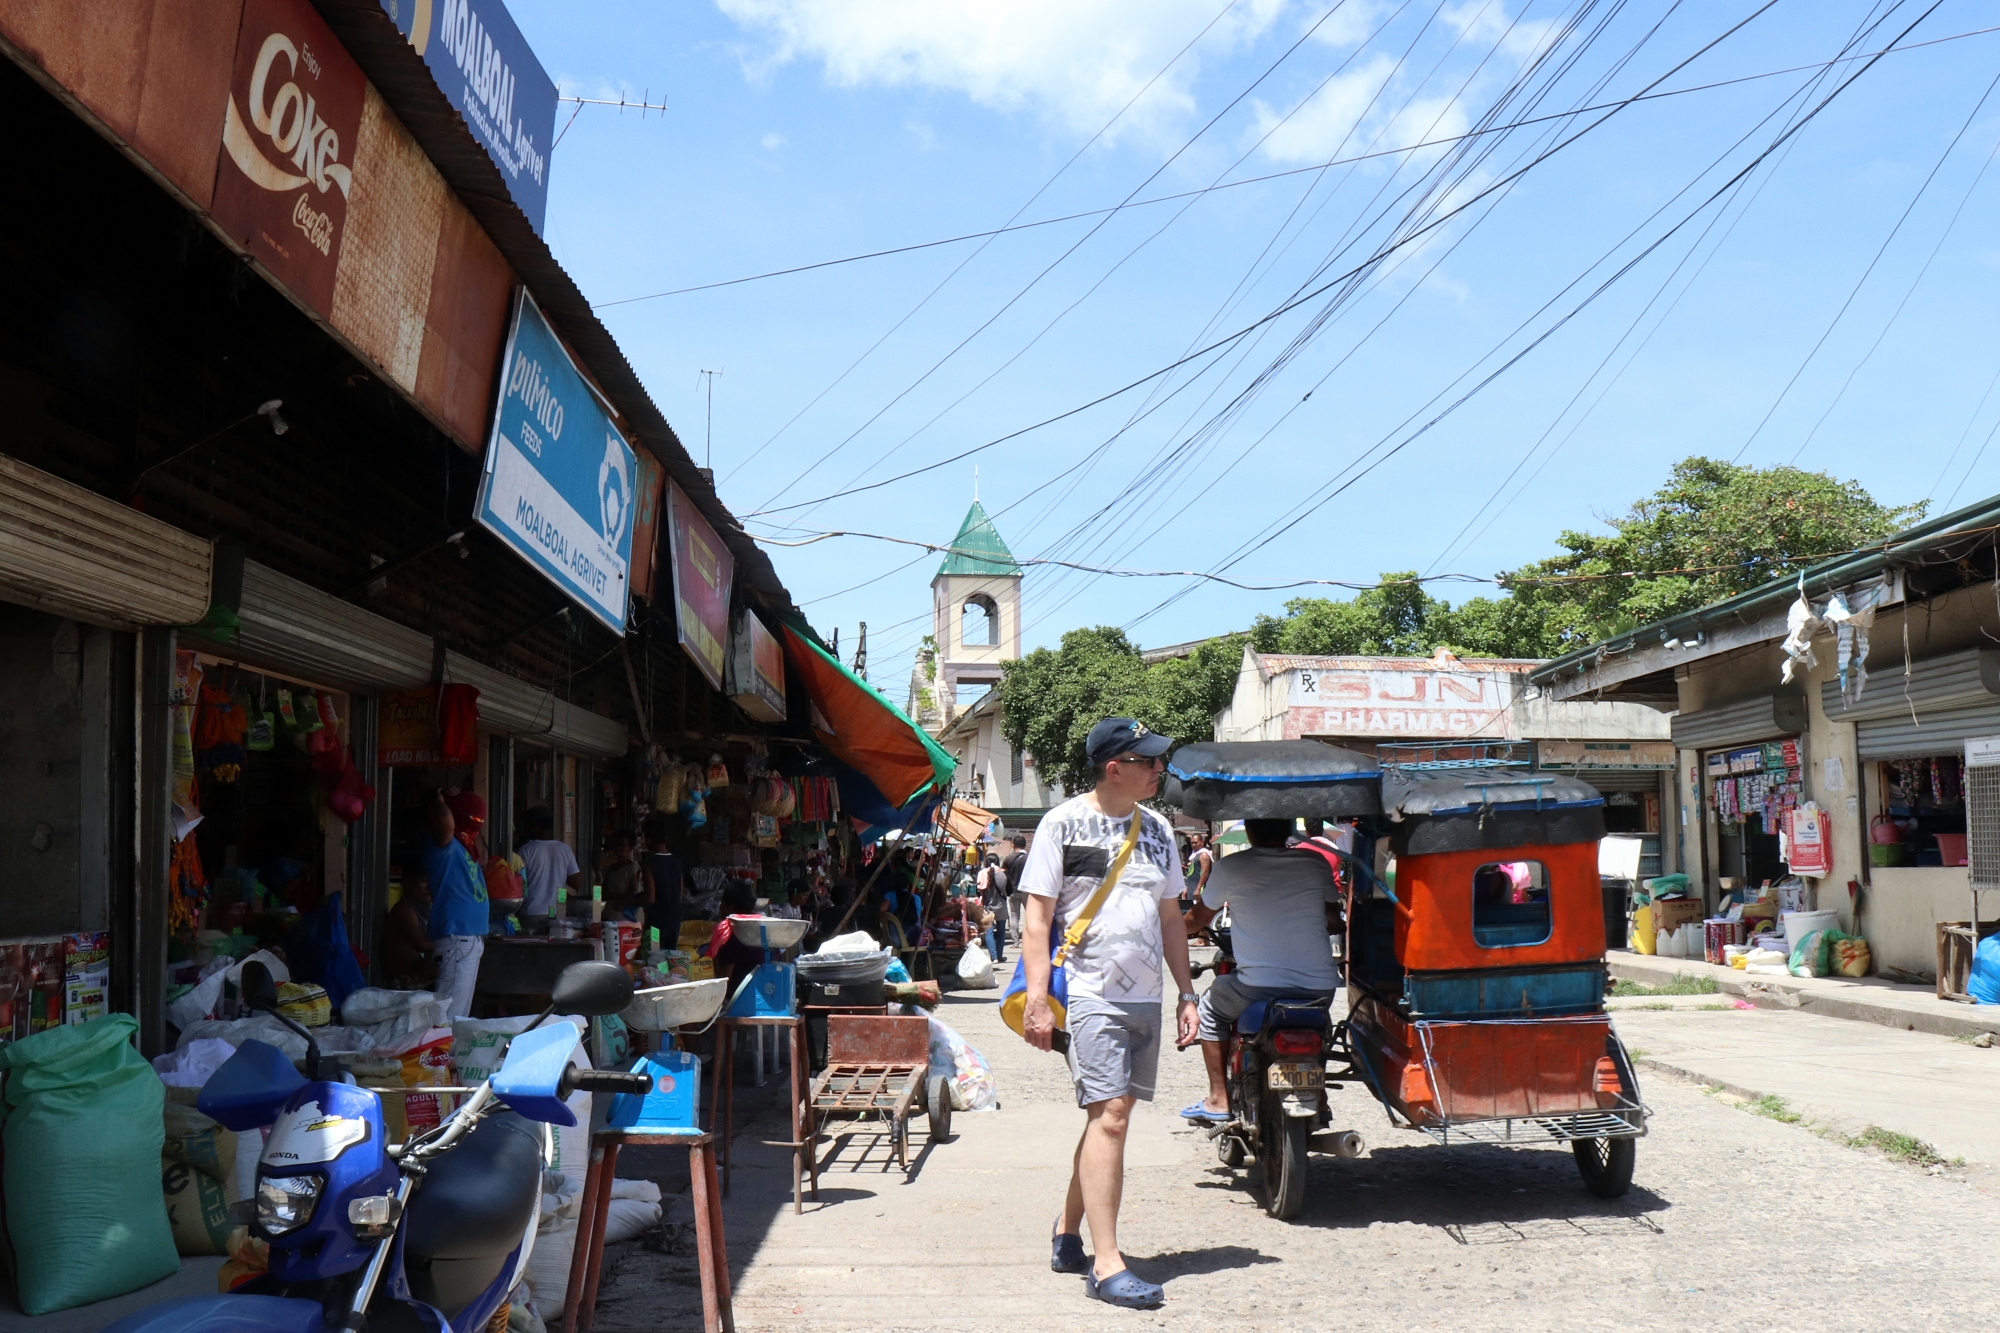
x=1275 y=175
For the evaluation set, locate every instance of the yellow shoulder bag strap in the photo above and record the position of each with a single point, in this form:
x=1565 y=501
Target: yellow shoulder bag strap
x=1074 y=935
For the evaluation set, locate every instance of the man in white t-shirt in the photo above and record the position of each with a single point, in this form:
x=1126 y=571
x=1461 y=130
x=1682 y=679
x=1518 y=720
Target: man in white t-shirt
x=1113 y=1015
x=1282 y=902
x=547 y=865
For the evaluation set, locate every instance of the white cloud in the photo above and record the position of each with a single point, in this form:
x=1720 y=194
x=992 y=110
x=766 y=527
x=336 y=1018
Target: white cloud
x=1071 y=62
x=773 y=141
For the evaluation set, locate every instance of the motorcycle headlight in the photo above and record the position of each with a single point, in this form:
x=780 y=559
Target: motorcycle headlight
x=285 y=1203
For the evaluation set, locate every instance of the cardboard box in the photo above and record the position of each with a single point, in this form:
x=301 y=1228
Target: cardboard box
x=1673 y=913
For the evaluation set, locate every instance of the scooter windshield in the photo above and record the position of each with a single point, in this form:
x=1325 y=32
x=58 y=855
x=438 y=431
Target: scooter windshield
x=530 y=1078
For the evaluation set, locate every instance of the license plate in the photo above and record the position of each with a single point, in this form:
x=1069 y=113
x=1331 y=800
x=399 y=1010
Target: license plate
x=1295 y=1076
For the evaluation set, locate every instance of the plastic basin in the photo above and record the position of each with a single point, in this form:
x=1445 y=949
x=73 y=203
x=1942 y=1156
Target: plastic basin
x=687 y=1004
x=769 y=932
x=1798 y=925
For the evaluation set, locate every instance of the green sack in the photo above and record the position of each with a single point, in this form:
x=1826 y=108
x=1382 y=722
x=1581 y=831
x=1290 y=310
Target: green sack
x=83 y=1135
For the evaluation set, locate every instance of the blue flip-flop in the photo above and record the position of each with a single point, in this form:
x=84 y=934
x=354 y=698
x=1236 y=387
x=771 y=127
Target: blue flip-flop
x=1068 y=1255
x=1124 y=1288
x=1202 y=1113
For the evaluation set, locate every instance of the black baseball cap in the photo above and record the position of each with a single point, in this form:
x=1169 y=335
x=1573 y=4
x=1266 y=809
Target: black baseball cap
x=1121 y=735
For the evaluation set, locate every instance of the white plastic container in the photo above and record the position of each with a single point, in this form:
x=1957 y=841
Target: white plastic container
x=1798 y=925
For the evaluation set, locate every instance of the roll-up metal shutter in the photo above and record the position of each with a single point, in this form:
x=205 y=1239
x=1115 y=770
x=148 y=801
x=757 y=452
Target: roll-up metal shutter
x=294 y=629
x=1942 y=703
x=1951 y=683
x=1938 y=732
x=1761 y=717
x=531 y=712
x=71 y=551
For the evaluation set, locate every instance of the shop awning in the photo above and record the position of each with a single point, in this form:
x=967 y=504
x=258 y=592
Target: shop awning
x=863 y=729
x=966 y=822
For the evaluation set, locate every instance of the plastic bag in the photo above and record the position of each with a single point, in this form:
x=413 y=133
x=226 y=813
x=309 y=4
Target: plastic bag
x=1983 y=982
x=84 y=1129
x=193 y=1064
x=975 y=969
x=964 y=1070
x=319 y=952
x=200 y=1002
x=198 y=1168
x=1851 y=956
x=1809 y=958
x=1767 y=963
x=388 y=1014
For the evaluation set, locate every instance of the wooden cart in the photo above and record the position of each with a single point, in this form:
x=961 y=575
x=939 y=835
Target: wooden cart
x=881 y=1065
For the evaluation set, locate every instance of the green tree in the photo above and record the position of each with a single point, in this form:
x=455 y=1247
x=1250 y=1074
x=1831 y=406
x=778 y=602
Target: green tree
x=1051 y=698
x=1714 y=530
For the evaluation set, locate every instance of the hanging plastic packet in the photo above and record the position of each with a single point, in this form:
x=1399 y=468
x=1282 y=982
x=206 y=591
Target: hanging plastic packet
x=326 y=713
x=285 y=708
x=308 y=711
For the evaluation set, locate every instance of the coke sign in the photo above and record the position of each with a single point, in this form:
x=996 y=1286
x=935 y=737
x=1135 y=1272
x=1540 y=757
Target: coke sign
x=288 y=137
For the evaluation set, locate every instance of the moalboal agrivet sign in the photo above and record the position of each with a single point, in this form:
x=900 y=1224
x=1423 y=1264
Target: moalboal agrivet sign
x=559 y=476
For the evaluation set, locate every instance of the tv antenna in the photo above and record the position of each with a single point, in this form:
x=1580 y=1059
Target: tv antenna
x=708 y=440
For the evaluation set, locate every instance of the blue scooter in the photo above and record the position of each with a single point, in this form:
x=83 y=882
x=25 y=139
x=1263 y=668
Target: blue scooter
x=431 y=1234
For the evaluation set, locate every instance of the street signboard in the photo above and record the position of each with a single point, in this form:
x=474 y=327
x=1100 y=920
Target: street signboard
x=559 y=478
x=490 y=75
x=703 y=572
x=289 y=131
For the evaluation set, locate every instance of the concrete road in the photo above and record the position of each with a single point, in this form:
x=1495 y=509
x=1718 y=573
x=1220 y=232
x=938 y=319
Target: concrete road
x=1736 y=1221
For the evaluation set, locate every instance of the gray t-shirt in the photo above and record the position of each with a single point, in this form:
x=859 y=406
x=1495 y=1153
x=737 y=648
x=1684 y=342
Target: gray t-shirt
x=1277 y=917
x=1119 y=959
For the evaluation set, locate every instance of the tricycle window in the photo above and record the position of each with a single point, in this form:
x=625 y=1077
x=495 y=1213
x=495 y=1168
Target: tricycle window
x=1510 y=904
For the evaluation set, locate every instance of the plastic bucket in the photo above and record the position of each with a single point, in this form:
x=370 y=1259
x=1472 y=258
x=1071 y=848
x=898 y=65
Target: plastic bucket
x=1798 y=925
x=1951 y=848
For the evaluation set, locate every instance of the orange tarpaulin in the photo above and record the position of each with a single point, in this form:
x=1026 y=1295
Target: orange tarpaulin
x=965 y=822
x=863 y=729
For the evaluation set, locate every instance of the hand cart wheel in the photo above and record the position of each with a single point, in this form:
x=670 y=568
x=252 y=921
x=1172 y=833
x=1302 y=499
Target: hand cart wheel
x=940 y=1101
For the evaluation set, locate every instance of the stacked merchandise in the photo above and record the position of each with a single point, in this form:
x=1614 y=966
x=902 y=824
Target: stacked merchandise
x=1761 y=780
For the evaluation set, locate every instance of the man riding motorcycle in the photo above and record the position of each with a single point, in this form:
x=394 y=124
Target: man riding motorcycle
x=1282 y=906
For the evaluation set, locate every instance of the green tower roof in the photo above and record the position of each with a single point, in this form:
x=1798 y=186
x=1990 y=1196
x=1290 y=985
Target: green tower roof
x=978 y=549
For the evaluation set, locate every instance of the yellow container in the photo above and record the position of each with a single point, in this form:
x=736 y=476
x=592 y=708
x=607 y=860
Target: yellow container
x=1644 y=938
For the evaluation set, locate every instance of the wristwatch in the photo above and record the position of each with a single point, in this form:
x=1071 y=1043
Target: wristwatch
x=1189 y=997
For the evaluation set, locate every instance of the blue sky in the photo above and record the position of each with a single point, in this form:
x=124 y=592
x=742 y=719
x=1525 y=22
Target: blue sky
x=798 y=131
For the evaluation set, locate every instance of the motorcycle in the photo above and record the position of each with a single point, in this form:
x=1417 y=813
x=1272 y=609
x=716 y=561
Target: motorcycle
x=431 y=1234
x=1274 y=1064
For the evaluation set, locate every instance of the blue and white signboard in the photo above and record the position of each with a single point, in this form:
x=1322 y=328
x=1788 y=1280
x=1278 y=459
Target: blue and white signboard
x=559 y=477
x=490 y=75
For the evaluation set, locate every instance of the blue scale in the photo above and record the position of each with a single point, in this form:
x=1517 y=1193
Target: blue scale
x=771 y=991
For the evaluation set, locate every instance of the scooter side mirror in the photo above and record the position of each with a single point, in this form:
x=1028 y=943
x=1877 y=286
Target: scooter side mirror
x=595 y=990
x=258 y=991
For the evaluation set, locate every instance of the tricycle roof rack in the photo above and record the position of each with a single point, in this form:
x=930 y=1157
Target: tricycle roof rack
x=1272 y=780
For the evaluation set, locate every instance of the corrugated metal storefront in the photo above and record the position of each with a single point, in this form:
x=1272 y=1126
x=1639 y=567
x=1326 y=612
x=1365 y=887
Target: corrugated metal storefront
x=75 y=553
x=1943 y=702
x=1761 y=717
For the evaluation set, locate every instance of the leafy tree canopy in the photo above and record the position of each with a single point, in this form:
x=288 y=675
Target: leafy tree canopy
x=1714 y=530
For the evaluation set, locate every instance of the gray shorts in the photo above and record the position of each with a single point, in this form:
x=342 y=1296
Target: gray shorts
x=1226 y=998
x=1114 y=1049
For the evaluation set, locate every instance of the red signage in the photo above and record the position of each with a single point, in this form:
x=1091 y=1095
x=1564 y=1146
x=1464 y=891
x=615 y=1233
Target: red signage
x=288 y=138
x=407 y=730
x=703 y=570
x=646 y=524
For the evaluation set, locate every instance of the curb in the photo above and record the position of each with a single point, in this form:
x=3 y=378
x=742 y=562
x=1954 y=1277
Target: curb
x=1976 y=1174
x=1951 y=1020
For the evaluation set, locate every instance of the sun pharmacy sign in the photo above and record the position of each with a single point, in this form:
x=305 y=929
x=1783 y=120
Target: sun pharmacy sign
x=560 y=477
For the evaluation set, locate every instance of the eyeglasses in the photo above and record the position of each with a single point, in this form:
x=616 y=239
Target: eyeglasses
x=1137 y=760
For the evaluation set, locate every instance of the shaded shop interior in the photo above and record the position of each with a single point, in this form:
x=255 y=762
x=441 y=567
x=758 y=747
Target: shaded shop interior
x=292 y=568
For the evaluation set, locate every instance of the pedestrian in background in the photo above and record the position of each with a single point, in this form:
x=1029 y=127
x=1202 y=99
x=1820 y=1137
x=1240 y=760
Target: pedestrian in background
x=1113 y=974
x=458 y=918
x=993 y=897
x=1014 y=863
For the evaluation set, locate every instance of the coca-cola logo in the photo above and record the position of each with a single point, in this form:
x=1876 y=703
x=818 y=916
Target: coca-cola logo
x=289 y=132
x=290 y=120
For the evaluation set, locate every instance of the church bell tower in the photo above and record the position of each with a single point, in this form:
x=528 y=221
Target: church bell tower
x=975 y=610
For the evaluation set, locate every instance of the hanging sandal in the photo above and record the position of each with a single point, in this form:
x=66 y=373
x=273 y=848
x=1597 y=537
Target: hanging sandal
x=1068 y=1255
x=1124 y=1288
